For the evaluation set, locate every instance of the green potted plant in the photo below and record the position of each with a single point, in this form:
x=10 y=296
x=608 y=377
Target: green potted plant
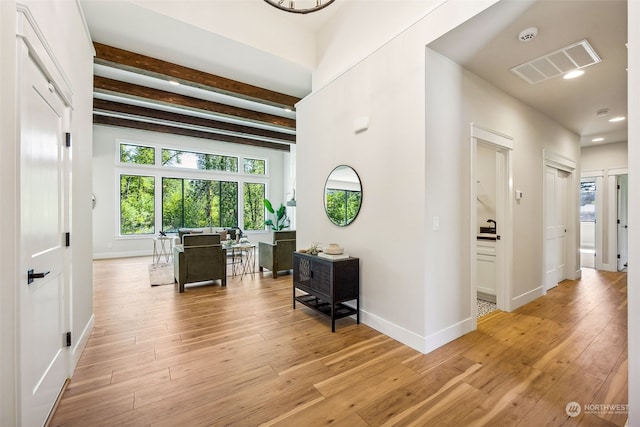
x=280 y=216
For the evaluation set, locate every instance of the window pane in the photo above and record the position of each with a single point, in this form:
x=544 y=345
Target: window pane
x=198 y=203
x=588 y=201
x=229 y=204
x=254 y=166
x=253 y=206
x=201 y=161
x=137 y=154
x=172 y=208
x=137 y=206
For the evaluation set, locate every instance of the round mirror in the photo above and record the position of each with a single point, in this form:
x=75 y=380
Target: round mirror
x=342 y=195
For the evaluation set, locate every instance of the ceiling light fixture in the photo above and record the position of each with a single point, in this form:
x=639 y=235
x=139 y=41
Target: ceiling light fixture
x=300 y=6
x=573 y=74
x=173 y=82
x=617 y=119
x=597 y=139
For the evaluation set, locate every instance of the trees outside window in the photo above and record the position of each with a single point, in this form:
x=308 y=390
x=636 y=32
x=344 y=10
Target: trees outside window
x=137 y=154
x=198 y=203
x=254 y=166
x=254 y=195
x=193 y=201
x=137 y=207
x=200 y=161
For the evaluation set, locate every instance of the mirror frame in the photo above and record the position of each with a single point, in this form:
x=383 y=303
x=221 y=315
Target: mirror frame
x=324 y=196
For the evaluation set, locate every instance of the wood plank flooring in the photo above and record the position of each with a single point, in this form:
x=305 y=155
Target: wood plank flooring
x=241 y=356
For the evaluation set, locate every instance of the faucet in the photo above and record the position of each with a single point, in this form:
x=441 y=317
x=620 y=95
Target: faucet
x=491 y=221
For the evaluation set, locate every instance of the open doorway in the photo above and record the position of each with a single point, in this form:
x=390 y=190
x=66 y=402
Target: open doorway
x=588 y=187
x=491 y=221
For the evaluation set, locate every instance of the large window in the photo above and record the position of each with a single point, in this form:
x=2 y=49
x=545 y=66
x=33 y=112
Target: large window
x=212 y=190
x=137 y=208
x=198 y=203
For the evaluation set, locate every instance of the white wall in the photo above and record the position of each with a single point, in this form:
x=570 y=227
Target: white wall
x=633 y=287
x=604 y=157
x=63 y=27
x=413 y=174
x=107 y=243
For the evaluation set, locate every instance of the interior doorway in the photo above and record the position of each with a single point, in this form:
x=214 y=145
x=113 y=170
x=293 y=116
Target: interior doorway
x=588 y=215
x=491 y=212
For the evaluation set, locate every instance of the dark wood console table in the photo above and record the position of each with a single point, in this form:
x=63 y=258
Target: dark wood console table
x=327 y=283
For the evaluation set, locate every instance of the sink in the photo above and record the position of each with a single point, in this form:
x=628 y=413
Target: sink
x=487 y=230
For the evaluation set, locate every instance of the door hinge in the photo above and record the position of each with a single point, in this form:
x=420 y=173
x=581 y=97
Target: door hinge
x=67 y=139
x=618 y=187
x=618 y=256
x=67 y=339
x=618 y=221
x=67 y=239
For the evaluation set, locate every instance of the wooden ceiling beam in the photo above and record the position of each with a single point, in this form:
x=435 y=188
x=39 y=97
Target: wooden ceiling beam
x=134 y=110
x=126 y=60
x=103 y=84
x=154 y=127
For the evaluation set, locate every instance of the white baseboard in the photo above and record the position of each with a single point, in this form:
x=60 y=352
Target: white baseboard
x=81 y=342
x=447 y=335
x=392 y=330
x=527 y=297
x=108 y=255
x=413 y=340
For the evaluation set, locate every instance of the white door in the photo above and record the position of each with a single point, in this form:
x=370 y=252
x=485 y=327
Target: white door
x=555 y=226
x=622 y=222
x=43 y=358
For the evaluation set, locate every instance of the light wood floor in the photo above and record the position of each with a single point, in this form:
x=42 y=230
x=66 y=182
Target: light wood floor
x=241 y=356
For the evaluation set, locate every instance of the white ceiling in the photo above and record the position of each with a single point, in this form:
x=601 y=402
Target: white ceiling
x=487 y=45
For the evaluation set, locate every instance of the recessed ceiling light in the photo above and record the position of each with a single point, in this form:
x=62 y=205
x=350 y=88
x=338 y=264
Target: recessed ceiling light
x=173 y=82
x=597 y=139
x=617 y=119
x=573 y=74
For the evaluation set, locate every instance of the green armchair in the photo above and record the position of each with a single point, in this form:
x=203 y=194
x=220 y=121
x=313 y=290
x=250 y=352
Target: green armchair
x=199 y=258
x=277 y=256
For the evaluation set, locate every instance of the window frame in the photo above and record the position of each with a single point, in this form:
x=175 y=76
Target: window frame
x=160 y=171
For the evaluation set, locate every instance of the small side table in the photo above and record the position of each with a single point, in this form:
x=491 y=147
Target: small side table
x=162 y=248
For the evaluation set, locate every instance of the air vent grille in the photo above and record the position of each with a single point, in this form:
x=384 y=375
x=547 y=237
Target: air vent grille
x=575 y=56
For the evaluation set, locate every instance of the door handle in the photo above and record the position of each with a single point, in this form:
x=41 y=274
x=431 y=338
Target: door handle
x=31 y=276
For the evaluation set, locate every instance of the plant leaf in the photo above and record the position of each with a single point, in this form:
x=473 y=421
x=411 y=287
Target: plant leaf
x=268 y=205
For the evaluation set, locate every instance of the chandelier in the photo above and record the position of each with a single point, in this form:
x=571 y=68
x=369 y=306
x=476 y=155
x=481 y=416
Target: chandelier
x=300 y=6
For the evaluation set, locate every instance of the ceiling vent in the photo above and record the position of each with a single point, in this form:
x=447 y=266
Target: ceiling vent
x=573 y=57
